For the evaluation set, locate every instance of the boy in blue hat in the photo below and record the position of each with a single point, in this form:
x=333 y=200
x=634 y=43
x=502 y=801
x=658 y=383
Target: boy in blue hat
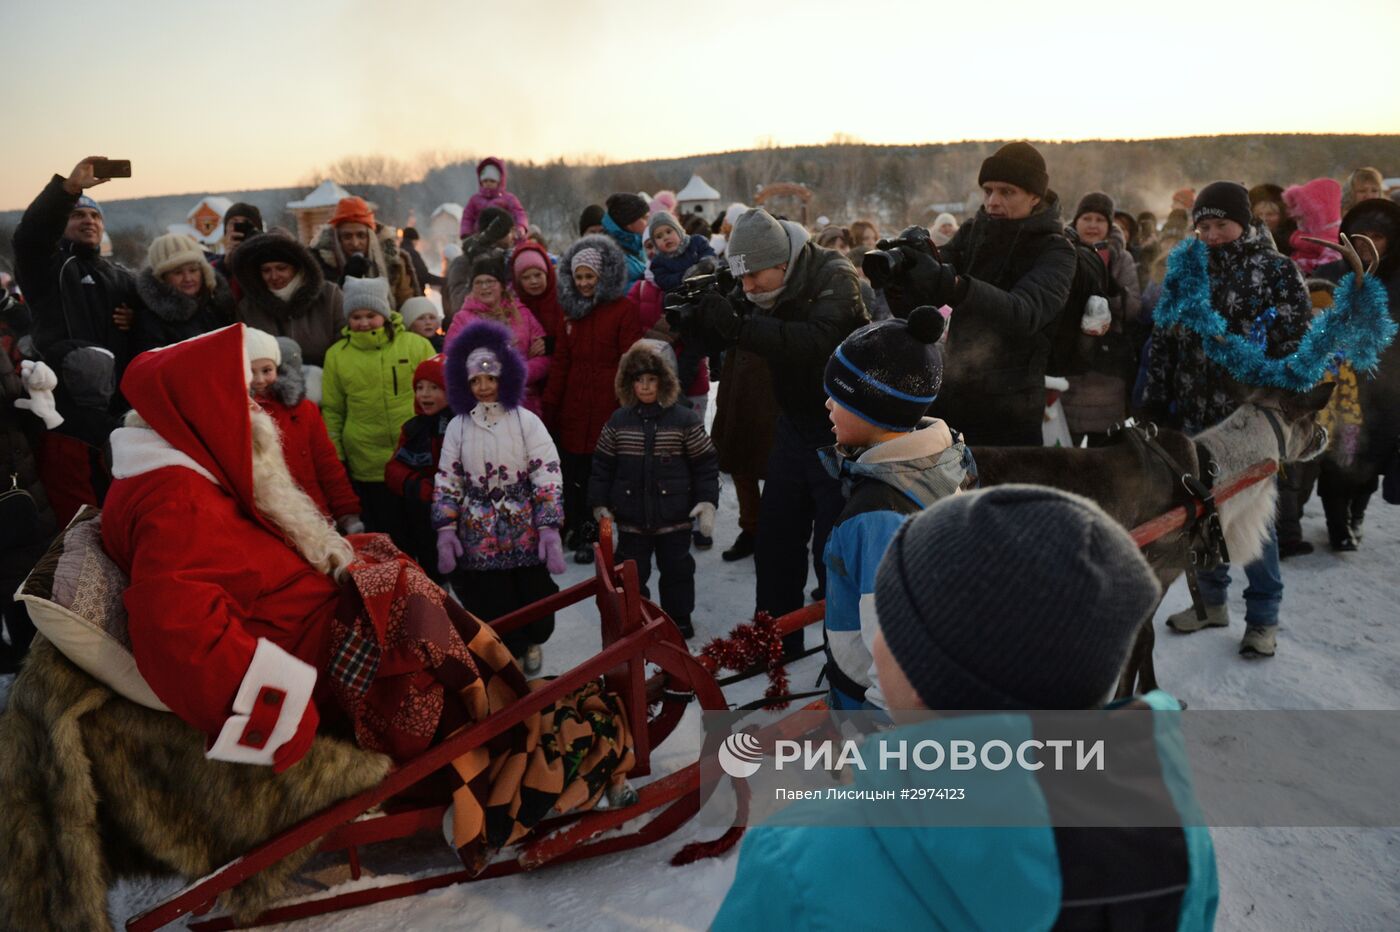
x=892 y=462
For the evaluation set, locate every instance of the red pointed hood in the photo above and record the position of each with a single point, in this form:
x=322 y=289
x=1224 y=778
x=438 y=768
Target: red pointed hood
x=194 y=394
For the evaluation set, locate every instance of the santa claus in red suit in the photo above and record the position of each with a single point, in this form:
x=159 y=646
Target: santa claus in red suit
x=233 y=569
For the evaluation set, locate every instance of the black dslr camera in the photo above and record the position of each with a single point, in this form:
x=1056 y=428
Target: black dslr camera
x=891 y=257
x=244 y=226
x=682 y=304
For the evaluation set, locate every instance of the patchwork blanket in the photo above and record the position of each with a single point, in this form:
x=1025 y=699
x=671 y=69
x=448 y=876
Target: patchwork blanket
x=410 y=667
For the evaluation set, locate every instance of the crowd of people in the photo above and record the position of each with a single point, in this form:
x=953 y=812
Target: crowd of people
x=551 y=391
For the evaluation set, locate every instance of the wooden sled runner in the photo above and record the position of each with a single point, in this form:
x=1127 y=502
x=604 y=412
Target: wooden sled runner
x=635 y=633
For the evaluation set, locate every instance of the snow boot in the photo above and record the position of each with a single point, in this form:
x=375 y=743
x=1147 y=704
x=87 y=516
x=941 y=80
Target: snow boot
x=534 y=659
x=687 y=629
x=1258 y=641
x=583 y=547
x=1185 y=621
x=1294 y=548
x=1339 y=532
x=741 y=548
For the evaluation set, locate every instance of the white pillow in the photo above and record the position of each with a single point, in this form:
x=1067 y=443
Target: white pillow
x=74 y=596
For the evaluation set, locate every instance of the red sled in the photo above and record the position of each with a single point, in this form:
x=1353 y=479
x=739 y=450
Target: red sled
x=635 y=633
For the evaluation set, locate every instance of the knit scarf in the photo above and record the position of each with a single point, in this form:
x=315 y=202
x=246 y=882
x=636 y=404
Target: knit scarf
x=286 y=291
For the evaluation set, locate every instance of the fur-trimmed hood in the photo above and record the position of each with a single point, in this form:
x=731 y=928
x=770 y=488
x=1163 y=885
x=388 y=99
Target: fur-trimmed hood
x=290 y=387
x=642 y=358
x=173 y=307
x=384 y=257
x=246 y=263
x=483 y=334
x=612 y=277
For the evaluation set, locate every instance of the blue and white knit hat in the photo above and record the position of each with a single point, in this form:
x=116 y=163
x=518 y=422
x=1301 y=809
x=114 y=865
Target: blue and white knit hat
x=888 y=373
x=90 y=204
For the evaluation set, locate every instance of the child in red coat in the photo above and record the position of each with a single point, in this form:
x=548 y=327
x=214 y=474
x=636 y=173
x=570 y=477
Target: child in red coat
x=411 y=472
x=280 y=389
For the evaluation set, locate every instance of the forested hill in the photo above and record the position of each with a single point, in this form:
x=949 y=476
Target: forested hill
x=891 y=184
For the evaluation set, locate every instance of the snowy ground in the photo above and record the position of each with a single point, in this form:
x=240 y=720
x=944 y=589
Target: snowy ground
x=1338 y=649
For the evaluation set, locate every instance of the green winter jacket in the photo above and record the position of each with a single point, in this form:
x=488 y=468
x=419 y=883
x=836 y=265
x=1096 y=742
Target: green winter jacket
x=367 y=394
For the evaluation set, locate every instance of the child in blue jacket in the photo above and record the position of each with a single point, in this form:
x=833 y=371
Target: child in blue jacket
x=892 y=462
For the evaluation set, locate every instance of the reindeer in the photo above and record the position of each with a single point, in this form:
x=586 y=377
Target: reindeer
x=1133 y=485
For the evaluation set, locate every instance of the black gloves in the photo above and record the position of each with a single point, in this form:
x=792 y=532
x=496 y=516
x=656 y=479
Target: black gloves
x=921 y=279
x=356 y=266
x=717 y=315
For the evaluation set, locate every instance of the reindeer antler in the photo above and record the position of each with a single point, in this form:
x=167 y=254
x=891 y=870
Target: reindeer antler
x=1348 y=252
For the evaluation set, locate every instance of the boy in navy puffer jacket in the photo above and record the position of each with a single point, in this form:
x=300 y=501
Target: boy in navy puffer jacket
x=653 y=470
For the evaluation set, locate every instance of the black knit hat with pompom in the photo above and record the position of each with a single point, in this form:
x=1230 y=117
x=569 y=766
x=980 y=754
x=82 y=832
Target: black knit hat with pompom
x=888 y=373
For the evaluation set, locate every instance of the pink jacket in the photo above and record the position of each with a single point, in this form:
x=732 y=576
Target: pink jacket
x=471 y=214
x=525 y=328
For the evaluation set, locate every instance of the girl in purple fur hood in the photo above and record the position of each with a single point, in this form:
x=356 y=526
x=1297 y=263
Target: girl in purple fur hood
x=498 y=496
x=491 y=192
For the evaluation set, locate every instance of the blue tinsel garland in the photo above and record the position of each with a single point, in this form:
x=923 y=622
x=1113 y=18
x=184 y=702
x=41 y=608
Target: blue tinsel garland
x=1356 y=328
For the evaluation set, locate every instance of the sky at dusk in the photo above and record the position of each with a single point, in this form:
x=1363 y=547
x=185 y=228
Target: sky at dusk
x=209 y=97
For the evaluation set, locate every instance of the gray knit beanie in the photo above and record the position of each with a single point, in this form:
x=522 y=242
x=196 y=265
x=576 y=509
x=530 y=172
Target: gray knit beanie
x=758 y=242
x=664 y=219
x=1013 y=597
x=366 y=294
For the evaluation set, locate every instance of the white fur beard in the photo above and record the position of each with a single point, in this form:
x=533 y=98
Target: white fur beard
x=282 y=502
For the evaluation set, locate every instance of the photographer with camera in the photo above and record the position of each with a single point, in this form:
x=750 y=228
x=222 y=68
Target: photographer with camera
x=1007 y=275
x=798 y=303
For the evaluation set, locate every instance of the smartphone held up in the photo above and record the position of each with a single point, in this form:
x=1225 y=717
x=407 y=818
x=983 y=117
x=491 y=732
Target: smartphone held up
x=111 y=168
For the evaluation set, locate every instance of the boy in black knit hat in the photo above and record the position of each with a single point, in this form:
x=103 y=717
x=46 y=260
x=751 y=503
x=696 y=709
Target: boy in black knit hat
x=892 y=462
x=1006 y=600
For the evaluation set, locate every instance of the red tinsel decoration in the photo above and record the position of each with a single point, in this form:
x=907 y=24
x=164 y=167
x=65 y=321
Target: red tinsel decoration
x=748 y=645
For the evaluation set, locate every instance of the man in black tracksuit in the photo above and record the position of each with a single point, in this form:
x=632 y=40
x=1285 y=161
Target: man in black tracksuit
x=805 y=300
x=74 y=292
x=1007 y=275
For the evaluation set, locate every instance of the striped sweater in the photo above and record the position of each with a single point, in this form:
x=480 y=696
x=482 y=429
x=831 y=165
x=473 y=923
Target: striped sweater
x=652 y=465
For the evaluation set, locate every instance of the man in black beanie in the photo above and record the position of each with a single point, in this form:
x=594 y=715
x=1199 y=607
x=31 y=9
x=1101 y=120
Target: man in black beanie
x=1007 y=275
x=625 y=220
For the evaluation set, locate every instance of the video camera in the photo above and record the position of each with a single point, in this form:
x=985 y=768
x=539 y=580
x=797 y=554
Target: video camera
x=891 y=257
x=681 y=304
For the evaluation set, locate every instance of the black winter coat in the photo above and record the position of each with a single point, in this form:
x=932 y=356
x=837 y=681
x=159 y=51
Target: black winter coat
x=820 y=307
x=652 y=465
x=72 y=290
x=1018 y=275
x=171 y=317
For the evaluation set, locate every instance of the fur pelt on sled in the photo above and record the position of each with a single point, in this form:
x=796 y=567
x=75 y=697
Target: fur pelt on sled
x=94 y=787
